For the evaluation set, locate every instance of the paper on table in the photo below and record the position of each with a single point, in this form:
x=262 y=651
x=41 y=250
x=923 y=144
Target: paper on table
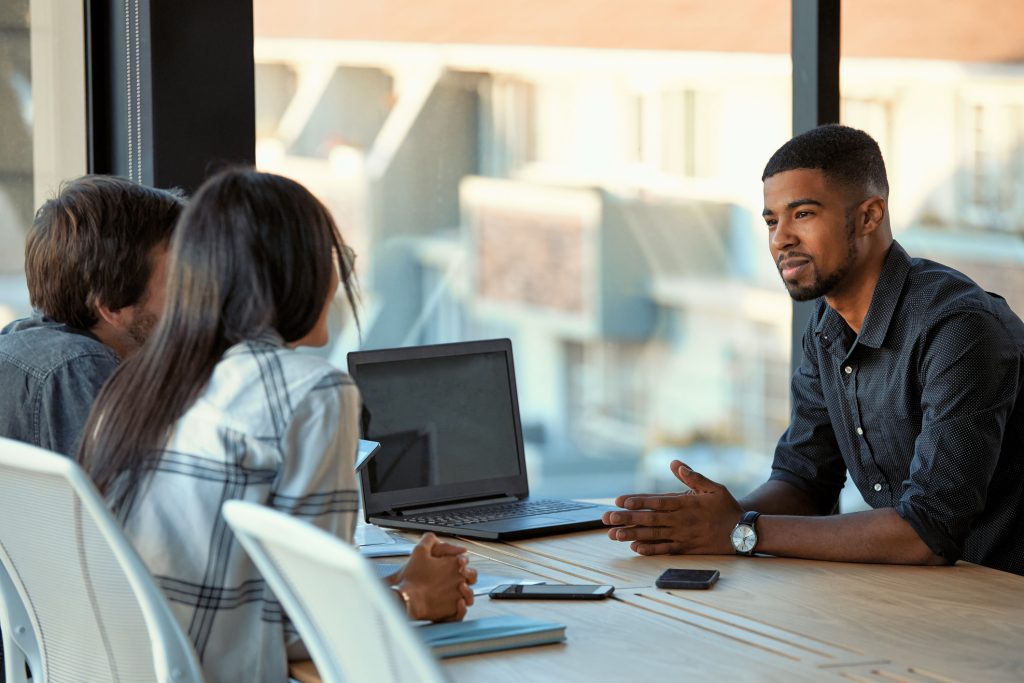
x=485 y=583
x=369 y=534
x=373 y=541
x=387 y=550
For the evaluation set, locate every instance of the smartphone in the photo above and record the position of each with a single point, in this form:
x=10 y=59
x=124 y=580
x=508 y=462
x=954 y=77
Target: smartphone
x=687 y=578
x=551 y=591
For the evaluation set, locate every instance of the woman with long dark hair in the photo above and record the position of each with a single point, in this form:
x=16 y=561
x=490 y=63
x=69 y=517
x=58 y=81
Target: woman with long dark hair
x=218 y=406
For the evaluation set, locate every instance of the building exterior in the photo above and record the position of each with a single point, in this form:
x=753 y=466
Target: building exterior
x=588 y=184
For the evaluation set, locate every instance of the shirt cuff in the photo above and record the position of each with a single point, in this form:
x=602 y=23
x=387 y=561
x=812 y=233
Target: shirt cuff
x=937 y=540
x=824 y=501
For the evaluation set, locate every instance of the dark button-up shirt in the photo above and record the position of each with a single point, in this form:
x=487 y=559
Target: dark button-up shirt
x=922 y=408
x=50 y=374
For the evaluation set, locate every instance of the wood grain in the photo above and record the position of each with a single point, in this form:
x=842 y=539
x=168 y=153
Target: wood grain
x=767 y=619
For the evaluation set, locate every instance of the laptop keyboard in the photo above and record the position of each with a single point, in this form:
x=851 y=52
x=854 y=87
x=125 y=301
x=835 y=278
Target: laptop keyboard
x=491 y=513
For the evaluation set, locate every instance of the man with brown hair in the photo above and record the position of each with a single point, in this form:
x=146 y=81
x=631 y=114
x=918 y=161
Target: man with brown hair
x=95 y=263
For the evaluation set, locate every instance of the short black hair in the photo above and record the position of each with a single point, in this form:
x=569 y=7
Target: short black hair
x=847 y=156
x=91 y=244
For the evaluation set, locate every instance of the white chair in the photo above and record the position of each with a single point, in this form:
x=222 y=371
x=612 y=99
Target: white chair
x=353 y=629
x=76 y=601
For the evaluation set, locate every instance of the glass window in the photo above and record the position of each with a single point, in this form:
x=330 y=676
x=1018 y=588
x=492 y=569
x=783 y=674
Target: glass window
x=590 y=189
x=947 y=108
x=16 y=196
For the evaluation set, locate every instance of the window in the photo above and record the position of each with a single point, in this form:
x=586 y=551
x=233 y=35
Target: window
x=673 y=128
x=948 y=111
x=42 y=125
x=993 y=158
x=509 y=112
x=16 y=198
x=592 y=192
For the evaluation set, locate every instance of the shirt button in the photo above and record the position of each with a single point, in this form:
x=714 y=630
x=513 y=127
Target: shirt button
x=878 y=487
x=848 y=369
x=860 y=431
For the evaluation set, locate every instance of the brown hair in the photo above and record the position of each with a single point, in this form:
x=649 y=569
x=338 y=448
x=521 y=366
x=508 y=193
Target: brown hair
x=253 y=253
x=91 y=243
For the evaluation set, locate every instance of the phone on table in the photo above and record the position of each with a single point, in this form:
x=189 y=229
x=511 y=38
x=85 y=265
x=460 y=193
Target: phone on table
x=687 y=578
x=551 y=591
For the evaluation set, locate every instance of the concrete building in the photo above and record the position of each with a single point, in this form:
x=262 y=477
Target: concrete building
x=584 y=177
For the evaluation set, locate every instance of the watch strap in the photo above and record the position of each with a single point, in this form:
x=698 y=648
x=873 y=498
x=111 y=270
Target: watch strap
x=749 y=519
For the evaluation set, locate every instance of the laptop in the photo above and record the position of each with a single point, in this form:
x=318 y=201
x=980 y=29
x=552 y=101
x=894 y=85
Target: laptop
x=451 y=457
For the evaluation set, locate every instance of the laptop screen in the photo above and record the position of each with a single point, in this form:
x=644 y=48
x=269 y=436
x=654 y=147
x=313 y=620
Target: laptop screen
x=446 y=416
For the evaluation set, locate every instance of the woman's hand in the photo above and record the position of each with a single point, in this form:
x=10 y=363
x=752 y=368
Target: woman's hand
x=437 y=580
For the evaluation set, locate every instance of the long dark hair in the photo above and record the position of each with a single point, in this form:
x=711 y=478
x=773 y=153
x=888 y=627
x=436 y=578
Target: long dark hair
x=252 y=253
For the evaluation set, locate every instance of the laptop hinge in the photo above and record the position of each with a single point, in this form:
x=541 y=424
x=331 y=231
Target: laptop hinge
x=456 y=506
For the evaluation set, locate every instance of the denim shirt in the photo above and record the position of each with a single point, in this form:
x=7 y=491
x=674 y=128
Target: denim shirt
x=50 y=374
x=924 y=408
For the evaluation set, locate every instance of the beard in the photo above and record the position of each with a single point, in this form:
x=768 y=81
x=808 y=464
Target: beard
x=141 y=326
x=821 y=286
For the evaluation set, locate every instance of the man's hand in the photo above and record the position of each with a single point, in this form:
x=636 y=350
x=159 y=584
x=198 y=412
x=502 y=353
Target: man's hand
x=698 y=521
x=437 y=580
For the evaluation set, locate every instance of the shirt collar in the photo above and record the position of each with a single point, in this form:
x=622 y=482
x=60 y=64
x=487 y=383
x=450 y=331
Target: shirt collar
x=883 y=302
x=885 y=298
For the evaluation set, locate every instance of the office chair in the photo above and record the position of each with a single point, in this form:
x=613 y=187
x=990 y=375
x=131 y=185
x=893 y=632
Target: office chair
x=76 y=601
x=351 y=626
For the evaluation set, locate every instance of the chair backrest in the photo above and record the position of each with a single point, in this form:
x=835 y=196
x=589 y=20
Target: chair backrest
x=351 y=626
x=76 y=601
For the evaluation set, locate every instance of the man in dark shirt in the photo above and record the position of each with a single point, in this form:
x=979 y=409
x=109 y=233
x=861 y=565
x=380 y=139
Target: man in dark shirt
x=95 y=264
x=911 y=381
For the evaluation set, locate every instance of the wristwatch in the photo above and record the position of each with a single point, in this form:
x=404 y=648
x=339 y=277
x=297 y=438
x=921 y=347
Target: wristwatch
x=744 y=534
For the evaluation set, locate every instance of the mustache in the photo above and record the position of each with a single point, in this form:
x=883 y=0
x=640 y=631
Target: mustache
x=785 y=256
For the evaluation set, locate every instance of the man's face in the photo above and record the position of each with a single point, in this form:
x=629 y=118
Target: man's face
x=811 y=232
x=147 y=312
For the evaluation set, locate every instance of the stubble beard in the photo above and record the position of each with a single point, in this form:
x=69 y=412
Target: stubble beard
x=822 y=286
x=142 y=325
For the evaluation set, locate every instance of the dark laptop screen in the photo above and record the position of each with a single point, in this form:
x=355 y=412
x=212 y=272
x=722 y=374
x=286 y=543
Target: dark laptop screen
x=442 y=420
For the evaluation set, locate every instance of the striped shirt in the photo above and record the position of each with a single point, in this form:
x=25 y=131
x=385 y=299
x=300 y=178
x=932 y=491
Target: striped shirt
x=273 y=427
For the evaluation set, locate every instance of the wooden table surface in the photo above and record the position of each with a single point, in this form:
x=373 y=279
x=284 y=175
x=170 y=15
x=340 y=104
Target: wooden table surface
x=767 y=619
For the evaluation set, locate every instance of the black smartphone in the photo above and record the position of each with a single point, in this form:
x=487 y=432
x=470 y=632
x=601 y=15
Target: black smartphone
x=687 y=578
x=551 y=591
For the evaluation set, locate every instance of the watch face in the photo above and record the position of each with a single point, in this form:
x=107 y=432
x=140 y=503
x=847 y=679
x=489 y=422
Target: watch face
x=744 y=538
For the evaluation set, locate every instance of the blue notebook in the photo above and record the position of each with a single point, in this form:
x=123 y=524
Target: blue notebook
x=488 y=635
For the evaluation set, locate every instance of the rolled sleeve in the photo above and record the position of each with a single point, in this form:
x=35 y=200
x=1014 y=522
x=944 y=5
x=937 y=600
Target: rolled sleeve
x=970 y=379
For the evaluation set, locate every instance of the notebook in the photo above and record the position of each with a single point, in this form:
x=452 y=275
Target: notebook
x=489 y=634
x=451 y=445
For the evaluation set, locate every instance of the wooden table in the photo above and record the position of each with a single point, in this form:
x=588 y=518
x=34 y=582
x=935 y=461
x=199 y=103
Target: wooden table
x=767 y=619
